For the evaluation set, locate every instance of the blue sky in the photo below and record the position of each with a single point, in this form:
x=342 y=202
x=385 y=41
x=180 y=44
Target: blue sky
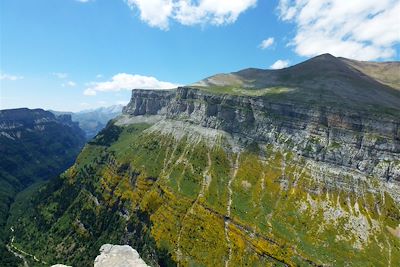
x=80 y=54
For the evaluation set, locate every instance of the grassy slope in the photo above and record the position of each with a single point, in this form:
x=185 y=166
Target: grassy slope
x=385 y=72
x=176 y=193
x=321 y=81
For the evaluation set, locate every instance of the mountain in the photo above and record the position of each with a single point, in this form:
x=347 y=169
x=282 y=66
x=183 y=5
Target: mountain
x=93 y=121
x=35 y=146
x=323 y=80
x=291 y=167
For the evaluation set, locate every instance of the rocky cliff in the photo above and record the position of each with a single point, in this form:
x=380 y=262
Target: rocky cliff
x=254 y=168
x=368 y=143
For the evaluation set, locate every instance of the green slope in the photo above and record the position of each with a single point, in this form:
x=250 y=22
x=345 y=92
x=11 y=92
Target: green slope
x=204 y=202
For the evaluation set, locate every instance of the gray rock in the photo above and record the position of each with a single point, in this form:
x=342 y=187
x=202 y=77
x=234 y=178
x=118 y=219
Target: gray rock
x=118 y=256
x=362 y=141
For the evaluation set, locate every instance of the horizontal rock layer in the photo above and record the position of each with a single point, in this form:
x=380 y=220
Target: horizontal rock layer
x=369 y=143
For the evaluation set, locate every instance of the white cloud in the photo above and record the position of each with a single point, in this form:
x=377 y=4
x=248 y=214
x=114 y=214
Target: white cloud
x=83 y=1
x=124 y=81
x=154 y=12
x=158 y=13
x=89 y=92
x=9 y=77
x=359 y=29
x=267 y=43
x=280 y=64
x=60 y=75
x=69 y=84
x=98 y=76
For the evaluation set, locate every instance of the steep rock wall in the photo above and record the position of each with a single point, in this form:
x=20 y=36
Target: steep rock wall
x=365 y=142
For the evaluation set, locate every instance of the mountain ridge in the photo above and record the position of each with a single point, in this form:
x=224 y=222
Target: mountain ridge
x=323 y=79
x=93 y=121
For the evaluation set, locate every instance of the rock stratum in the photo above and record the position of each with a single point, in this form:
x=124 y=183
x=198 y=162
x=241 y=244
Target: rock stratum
x=295 y=167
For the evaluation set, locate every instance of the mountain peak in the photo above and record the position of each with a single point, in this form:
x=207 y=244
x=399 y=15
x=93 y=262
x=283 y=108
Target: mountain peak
x=324 y=56
x=324 y=79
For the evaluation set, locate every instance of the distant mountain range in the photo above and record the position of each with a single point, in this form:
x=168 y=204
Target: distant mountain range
x=93 y=120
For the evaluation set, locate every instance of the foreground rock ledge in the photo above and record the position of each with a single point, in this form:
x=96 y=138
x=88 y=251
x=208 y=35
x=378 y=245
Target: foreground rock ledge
x=116 y=256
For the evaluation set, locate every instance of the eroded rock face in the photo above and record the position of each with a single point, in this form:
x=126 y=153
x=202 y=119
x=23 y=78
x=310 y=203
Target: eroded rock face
x=365 y=142
x=148 y=102
x=118 y=256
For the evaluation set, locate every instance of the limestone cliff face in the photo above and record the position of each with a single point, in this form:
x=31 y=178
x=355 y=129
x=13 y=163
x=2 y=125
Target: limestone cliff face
x=368 y=143
x=148 y=102
x=13 y=122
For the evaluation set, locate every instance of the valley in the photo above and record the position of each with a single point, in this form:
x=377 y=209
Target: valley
x=35 y=146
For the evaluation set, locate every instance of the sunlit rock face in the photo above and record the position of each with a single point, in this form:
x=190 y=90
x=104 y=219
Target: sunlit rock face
x=118 y=256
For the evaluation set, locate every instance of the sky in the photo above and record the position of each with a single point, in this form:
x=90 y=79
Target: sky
x=71 y=55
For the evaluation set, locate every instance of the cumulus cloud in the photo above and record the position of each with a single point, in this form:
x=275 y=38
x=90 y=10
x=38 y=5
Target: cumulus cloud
x=267 y=43
x=159 y=13
x=124 y=81
x=9 y=77
x=280 y=64
x=359 y=29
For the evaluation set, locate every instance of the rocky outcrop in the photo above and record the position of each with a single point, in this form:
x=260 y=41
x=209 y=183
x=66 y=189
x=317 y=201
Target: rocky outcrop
x=368 y=143
x=118 y=256
x=148 y=102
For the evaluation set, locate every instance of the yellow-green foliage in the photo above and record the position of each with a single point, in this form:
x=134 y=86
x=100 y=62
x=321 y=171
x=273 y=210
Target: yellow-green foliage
x=266 y=198
x=279 y=212
x=220 y=170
